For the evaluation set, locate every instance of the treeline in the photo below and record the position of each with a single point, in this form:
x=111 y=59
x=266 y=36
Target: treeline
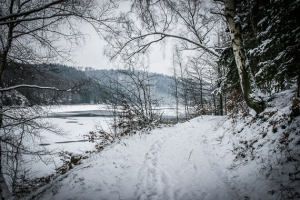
x=251 y=47
x=73 y=86
x=270 y=56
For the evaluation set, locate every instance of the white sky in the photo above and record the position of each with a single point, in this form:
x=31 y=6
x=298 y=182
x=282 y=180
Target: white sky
x=91 y=53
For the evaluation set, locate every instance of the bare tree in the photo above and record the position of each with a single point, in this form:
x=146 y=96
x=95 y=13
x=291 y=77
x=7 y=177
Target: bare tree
x=36 y=31
x=175 y=86
x=132 y=89
x=185 y=21
x=196 y=73
x=180 y=70
x=190 y=24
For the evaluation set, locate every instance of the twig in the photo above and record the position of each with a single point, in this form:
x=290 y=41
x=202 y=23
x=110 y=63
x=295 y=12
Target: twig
x=190 y=154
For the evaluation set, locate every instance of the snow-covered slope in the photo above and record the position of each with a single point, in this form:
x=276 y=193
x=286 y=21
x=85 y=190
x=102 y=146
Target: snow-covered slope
x=209 y=157
x=261 y=154
x=169 y=163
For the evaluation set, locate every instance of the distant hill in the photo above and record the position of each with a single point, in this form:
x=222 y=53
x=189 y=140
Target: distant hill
x=50 y=75
x=84 y=85
x=162 y=84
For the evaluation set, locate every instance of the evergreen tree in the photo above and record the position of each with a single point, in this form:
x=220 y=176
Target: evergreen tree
x=270 y=34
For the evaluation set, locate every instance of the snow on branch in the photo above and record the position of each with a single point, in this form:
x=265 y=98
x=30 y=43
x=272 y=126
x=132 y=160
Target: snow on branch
x=31 y=86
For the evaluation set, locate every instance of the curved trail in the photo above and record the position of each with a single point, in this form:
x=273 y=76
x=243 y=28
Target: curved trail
x=176 y=167
x=170 y=163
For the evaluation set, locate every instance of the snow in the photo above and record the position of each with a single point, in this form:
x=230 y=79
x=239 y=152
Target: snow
x=209 y=157
x=71 y=137
x=167 y=110
x=70 y=108
x=169 y=163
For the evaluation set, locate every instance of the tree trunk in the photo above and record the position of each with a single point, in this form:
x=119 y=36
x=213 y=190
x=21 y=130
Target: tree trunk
x=248 y=87
x=219 y=85
x=221 y=104
x=201 y=92
x=225 y=107
x=215 y=105
x=4 y=191
x=176 y=95
x=298 y=89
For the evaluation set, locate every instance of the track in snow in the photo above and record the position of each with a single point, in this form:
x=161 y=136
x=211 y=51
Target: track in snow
x=176 y=167
x=170 y=163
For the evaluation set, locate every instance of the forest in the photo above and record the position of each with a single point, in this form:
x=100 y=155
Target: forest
x=230 y=58
x=85 y=85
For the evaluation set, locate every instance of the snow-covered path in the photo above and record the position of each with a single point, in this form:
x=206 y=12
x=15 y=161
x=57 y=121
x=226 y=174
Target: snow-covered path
x=170 y=163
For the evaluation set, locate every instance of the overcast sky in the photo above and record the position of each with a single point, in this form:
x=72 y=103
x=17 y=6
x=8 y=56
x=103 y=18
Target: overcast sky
x=91 y=53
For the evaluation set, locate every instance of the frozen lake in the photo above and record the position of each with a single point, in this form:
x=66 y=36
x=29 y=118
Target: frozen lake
x=75 y=121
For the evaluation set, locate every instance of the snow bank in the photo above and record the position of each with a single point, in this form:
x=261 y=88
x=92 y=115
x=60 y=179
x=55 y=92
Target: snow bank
x=169 y=163
x=261 y=154
x=209 y=157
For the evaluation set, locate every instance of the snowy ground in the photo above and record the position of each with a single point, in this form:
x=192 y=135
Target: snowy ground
x=73 y=127
x=169 y=163
x=207 y=158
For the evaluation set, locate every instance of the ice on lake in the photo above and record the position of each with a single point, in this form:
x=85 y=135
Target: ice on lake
x=75 y=121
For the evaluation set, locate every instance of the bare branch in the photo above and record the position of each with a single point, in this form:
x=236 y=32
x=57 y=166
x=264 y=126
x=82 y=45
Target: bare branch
x=26 y=13
x=171 y=36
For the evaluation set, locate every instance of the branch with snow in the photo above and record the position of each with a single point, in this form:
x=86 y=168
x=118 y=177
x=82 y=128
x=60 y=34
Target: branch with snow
x=31 y=86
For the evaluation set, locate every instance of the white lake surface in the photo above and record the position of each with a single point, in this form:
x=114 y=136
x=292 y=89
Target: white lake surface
x=75 y=122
